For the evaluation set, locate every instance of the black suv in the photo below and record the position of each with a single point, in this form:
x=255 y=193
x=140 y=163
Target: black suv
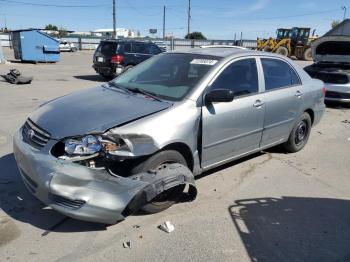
x=113 y=57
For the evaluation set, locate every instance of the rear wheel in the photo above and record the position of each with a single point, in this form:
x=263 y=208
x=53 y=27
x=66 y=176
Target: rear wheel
x=308 y=54
x=169 y=197
x=282 y=50
x=128 y=68
x=300 y=134
x=107 y=76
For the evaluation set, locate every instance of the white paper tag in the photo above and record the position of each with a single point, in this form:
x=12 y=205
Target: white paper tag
x=203 y=62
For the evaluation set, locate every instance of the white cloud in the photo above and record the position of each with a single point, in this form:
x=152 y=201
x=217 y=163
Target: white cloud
x=259 y=5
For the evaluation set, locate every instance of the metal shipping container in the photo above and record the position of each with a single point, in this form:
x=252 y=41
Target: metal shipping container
x=34 y=45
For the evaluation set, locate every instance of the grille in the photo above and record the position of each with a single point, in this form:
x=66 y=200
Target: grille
x=34 y=135
x=65 y=202
x=332 y=94
x=330 y=78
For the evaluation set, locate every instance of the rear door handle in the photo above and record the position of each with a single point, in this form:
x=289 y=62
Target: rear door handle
x=298 y=94
x=258 y=103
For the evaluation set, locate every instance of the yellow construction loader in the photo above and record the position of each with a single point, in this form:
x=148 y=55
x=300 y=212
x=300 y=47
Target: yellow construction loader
x=296 y=42
x=268 y=44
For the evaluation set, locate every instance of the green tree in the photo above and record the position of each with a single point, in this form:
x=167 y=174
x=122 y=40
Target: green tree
x=335 y=23
x=195 y=35
x=62 y=32
x=51 y=27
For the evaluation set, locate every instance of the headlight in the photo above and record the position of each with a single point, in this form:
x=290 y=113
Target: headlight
x=86 y=145
x=91 y=144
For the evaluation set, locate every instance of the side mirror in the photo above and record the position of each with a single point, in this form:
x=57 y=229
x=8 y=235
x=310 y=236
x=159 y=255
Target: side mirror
x=219 y=95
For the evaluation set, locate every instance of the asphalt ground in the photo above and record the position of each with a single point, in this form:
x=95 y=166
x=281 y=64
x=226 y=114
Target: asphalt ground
x=271 y=206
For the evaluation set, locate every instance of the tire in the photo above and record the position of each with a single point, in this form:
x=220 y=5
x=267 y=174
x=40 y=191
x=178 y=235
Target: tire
x=127 y=68
x=266 y=49
x=282 y=50
x=169 y=197
x=300 y=134
x=107 y=77
x=307 y=56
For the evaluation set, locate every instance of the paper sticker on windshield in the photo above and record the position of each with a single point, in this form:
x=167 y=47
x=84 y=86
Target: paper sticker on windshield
x=203 y=62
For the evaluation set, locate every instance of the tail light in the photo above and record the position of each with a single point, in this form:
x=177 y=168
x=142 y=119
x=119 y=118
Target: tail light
x=324 y=90
x=117 y=59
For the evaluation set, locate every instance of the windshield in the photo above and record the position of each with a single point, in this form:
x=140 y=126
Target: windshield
x=168 y=76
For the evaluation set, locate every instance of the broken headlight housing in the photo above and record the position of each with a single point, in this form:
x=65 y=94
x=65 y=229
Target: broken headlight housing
x=87 y=145
x=95 y=144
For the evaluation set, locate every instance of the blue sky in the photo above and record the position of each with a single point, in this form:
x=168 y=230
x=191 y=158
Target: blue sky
x=219 y=19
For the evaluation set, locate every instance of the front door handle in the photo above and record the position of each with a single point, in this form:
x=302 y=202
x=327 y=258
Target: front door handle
x=258 y=103
x=298 y=94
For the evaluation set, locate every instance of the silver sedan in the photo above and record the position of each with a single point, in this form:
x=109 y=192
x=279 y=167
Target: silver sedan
x=134 y=143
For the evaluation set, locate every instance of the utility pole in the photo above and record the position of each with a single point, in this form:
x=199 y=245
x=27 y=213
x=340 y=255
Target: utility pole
x=164 y=22
x=114 y=22
x=189 y=18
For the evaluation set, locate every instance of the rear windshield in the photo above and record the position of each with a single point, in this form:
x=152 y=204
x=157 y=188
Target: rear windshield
x=107 y=48
x=168 y=76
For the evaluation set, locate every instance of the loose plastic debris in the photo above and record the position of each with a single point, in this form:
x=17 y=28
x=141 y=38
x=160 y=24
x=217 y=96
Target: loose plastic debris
x=127 y=244
x=167 y=227
x=15 y=77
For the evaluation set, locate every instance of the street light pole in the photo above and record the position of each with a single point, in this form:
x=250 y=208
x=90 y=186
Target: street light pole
x=344 y=8
x=114 y=22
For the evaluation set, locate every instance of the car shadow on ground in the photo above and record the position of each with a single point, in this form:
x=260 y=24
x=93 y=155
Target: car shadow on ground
x=293 y=228
x=336 y=105
x=19 y=204
x=94 y=78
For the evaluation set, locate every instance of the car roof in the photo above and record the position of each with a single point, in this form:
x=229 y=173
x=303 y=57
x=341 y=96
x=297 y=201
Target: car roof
x=218 y=51
x=229 y=52
x=125 y=41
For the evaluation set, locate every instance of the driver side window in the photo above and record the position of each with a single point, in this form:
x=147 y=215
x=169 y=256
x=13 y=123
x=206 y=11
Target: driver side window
x=241 y=77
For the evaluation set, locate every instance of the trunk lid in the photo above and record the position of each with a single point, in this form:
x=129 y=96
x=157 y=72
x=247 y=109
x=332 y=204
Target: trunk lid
x=104 y=53
x=334 y=49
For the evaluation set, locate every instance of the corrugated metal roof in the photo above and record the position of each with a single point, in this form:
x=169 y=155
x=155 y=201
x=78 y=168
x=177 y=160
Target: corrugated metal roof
x=343 y=29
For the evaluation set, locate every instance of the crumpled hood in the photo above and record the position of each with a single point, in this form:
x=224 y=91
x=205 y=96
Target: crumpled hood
x=94 y=110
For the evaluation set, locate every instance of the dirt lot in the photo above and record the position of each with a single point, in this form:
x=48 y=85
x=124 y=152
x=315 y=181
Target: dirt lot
x=269 y=207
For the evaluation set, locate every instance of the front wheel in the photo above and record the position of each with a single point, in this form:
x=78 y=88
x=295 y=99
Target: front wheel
x=169 y=197
x=282 y=50
x=308 y=54
x=300 y=134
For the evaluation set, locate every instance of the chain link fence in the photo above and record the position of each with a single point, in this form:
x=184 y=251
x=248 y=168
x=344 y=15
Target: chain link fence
x=90 y=43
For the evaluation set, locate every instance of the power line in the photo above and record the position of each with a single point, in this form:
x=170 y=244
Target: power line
x=140 y=12
x=51 y=5
x=301 y=15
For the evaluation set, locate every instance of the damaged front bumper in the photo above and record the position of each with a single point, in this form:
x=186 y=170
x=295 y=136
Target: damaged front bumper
x=92 y=194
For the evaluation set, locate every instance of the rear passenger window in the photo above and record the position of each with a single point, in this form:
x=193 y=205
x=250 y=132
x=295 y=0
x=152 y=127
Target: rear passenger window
x=241 y=77
x=138 y=48
x=278 y=74
x=127 y=48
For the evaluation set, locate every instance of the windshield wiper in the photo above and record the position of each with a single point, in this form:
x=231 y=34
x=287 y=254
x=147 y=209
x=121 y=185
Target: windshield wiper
x=144 y=92
x=119 y=87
